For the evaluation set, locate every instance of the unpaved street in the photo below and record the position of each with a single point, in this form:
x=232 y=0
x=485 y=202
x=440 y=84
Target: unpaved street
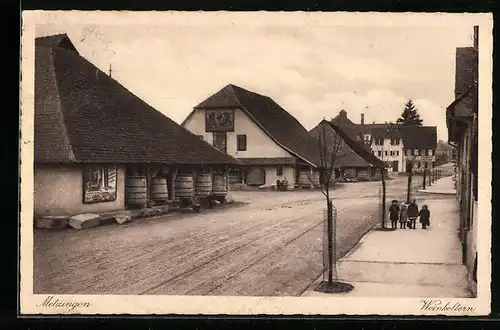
x=270 y=246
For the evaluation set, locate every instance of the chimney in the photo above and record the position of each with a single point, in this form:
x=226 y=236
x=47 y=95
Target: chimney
x=476 y=37
x=362 y=119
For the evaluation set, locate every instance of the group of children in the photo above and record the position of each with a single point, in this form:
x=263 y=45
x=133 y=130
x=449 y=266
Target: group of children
x=408 y=214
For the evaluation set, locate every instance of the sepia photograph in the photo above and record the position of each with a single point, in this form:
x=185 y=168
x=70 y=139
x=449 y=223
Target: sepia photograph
x=255 y=163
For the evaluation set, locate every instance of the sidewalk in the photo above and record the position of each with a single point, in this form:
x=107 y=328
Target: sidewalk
x=444 y=186
x=407 y=262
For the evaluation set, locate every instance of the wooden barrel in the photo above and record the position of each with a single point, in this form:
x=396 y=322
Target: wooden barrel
x=203 y=184
x=184 y=187
x=136 y=190
x=304 y=179
x=159 y=189
x=219 y=185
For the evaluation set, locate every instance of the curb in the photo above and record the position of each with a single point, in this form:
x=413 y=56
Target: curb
x=436 y=192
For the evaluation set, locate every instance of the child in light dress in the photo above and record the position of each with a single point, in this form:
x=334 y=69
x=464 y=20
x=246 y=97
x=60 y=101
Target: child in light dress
x=403 y=216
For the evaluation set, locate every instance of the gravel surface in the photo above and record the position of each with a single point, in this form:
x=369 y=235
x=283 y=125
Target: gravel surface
x=270 y=246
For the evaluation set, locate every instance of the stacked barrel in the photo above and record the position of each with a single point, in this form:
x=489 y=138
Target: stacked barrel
x=184 y=185
x=219 y=185
x=159 y=189
x=136 y=191
x=203 y=185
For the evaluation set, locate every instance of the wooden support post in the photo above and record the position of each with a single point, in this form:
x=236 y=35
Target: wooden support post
x=173 y=175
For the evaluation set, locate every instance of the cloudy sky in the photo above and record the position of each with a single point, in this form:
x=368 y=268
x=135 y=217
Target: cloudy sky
x=311 y=69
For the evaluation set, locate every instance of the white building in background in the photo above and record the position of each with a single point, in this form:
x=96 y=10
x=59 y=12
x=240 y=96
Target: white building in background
x=395 y=145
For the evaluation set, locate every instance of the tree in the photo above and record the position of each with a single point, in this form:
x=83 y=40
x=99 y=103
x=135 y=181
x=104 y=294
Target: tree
x=328 y=152
x=410 y=116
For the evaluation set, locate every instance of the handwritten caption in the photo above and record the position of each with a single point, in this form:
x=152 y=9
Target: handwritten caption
x=70 y=305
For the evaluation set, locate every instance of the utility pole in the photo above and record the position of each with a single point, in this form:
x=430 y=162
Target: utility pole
x=110 y=70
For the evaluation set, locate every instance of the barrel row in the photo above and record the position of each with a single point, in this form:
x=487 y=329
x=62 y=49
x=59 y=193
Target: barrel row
x=136 y=191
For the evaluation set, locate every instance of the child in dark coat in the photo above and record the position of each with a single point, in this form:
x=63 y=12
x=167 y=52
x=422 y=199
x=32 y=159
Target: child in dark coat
x=394 y=214
x=425 y=216
x=412 y=212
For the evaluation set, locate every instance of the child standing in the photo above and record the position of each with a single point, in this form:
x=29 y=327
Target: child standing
x=394 y=214
x=412 y=212
x=425 y=216
x=403 y=216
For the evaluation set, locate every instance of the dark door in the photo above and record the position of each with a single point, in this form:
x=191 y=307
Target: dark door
x=256 y=176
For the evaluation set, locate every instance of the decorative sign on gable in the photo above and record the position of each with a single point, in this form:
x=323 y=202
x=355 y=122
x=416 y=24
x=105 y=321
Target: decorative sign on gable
x=219 y=120
x=99 y=184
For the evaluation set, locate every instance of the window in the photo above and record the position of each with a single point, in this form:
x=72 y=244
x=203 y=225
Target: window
x=416 y=152
x=200 y=136
x=241 y=141
x=394 y=142
x=220 y=141
x=418 y=164
x=279 y=171
x=385 y=153
x=397 y=153
x=379 y=142
x=397 y=142
x=367 y=137
x=380 y=153
x=429 y=152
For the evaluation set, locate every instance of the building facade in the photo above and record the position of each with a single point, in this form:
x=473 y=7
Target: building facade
x=269 y=143
x=397 y=146
x=352 y=160
x=461 y=117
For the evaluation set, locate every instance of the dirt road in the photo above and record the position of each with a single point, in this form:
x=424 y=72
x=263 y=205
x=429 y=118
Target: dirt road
x=270 y=246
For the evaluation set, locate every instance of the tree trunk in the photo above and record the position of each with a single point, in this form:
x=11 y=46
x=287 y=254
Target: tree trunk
x=408 y=192
x=330 y=240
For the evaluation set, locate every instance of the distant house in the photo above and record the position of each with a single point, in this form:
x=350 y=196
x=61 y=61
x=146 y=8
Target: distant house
x=397 y=146
x=269 y=142
x=97 y=146
x=352 y=159
x=461 y=119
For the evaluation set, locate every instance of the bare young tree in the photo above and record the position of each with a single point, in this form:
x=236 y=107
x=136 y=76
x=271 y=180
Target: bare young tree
x=328 y=151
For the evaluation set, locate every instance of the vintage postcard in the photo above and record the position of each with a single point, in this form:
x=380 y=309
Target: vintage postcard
x=245 y=163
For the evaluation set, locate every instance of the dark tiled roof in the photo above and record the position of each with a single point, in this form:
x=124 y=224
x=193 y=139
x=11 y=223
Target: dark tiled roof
x=270 y=116
x=419 y=137
x=466 y=71
x=83 y=115
x=57 y=40
x=267 y=161
x=359 y=148
x=346 y=157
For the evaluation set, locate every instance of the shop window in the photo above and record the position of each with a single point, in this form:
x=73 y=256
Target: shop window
x=241 y=142
x=99 y=184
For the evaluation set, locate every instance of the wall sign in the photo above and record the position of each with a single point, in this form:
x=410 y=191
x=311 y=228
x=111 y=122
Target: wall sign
x=219 y=120
x=99 y=184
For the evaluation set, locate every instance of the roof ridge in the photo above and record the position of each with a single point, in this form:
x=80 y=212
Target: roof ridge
x=62 y=118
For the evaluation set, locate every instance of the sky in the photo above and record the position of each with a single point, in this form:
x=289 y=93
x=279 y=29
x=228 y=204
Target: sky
x=313 y=70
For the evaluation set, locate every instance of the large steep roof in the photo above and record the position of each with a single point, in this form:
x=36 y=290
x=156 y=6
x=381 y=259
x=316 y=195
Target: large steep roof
x=280 y=125
x=82 y=115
